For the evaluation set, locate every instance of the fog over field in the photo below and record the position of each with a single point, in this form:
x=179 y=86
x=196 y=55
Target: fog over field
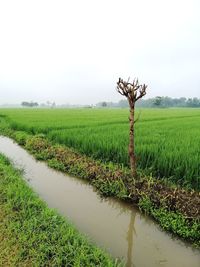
x=74 y=51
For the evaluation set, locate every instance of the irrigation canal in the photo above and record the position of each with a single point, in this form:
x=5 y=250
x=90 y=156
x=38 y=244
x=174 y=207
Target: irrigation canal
x=119 y=228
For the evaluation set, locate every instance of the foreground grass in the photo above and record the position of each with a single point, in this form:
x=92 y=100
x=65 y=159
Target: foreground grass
x=31 y=234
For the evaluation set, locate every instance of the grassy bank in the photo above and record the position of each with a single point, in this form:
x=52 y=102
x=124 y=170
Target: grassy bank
x=31 y=234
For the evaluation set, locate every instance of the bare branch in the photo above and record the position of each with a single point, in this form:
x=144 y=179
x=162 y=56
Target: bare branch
x=138 y=117
x=133 y=91
x=142 y=92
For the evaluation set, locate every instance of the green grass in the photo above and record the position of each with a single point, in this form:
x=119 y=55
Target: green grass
x=172 y=221
x=31 y=234
x=167 y=140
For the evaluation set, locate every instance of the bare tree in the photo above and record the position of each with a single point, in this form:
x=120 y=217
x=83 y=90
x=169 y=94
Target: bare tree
x=133 y=92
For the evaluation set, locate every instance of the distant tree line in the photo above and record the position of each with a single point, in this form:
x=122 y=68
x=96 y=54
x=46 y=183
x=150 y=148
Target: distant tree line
x=35 y=104
x=29 y=104
x=158 y=101
x=166 y=102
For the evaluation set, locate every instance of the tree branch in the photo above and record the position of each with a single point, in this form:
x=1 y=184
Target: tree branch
x=138 y=117
x=133 y=91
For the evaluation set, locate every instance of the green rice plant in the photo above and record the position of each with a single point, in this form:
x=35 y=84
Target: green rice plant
x=167 y=140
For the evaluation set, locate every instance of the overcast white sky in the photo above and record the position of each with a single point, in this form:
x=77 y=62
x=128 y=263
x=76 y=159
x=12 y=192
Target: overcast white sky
x=74 y=51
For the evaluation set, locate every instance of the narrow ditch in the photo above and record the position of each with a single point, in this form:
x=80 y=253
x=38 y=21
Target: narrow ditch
x=119 y=228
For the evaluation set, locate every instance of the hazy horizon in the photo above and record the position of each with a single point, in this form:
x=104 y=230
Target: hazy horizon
x=46 y=104
x=75 y=51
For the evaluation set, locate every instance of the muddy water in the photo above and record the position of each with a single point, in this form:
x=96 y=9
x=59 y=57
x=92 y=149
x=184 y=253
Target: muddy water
x=115 y=226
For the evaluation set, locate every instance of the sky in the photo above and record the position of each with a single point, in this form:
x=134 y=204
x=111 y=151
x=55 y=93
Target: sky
x=74 y=51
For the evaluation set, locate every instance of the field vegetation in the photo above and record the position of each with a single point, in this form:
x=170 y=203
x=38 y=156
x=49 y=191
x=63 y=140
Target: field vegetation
x=31 y=234
x=167 y=140
x=162 y=200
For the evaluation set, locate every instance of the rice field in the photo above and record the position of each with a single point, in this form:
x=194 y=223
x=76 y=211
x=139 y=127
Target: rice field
x=167 y=140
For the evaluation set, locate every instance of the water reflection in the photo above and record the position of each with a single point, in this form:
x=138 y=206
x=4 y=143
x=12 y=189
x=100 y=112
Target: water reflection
x=130 y=236
x=128 y=210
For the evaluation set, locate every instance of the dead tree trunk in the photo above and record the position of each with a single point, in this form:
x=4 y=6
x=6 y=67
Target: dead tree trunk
x=131 y=148
x=132 y=91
